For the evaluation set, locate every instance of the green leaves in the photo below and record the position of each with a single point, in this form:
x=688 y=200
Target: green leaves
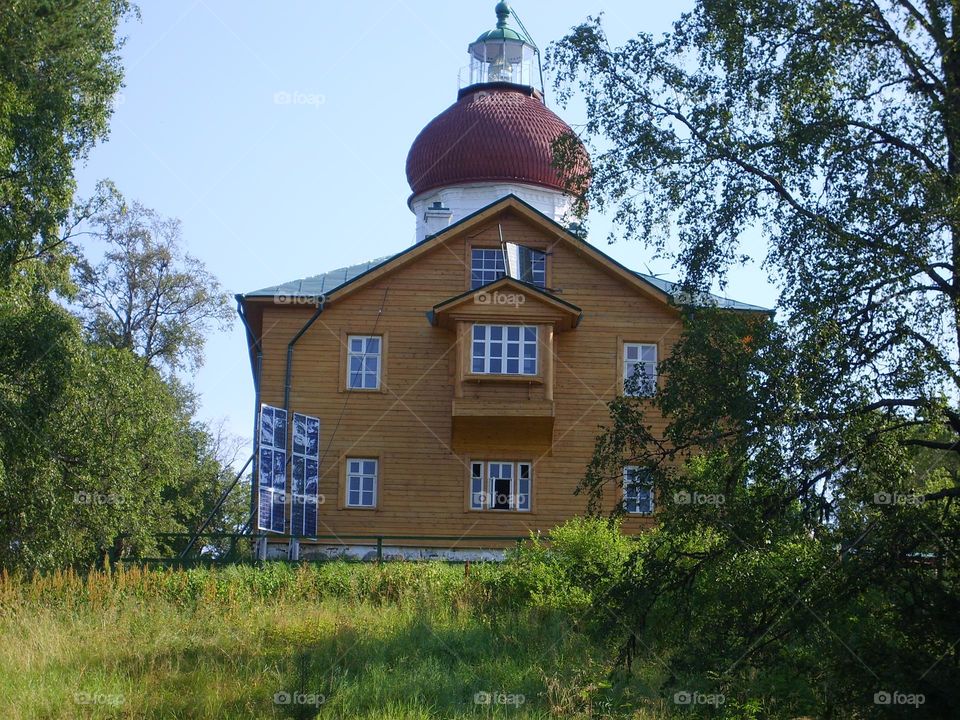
x=831 y=128
x=146 y=294
x=59 y=70
x=97 y=450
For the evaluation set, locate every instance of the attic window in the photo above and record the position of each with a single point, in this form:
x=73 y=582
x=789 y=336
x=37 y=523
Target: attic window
x=639 y=369
x=488 y=265
x=363 y=358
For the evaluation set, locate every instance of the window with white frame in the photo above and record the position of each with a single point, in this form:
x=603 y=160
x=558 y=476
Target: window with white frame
x=362 y=482
x=363 y=362
x=533 y=267
x=639 y=369
x=504 y=349
x=637 y=490
x=500 y=485
x=488 y=265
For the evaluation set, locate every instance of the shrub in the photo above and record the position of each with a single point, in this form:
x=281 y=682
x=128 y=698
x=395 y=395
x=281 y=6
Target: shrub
x=572 y=570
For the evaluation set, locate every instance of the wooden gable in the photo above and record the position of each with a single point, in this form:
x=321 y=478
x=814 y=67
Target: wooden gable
x=510 y=206
x=508 y=301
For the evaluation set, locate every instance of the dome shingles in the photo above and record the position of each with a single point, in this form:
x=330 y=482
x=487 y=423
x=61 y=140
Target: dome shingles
x=490 y=135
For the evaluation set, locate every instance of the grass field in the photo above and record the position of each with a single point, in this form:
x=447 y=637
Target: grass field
x=336 y=640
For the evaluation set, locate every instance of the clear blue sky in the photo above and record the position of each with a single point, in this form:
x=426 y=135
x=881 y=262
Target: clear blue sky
x=270 y=192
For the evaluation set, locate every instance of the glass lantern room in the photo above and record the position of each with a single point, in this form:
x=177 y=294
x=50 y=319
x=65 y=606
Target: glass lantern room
x=504 y=54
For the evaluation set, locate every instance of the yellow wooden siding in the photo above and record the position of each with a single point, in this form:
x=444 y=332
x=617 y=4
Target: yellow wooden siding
x=408 y=426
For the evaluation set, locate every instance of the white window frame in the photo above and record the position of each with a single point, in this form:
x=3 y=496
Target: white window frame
x=484 y=274
x=482 y=489
x=538 y=268
x=478 y=276
x=363 y=355
x=360 y=475
x=631 y=497
x=629 y=365
x=486 y=343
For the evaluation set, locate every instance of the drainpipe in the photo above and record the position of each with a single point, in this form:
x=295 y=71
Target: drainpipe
x=256 y=367
x=294 y=547
x=288 y=377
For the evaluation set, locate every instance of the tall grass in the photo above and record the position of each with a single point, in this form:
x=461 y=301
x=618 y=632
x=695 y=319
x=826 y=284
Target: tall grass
x=399 y=640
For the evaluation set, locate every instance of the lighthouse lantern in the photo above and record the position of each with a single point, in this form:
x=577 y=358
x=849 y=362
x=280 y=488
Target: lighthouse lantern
x=504 y=54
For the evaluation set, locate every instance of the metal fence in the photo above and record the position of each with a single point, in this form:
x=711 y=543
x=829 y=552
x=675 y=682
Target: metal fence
x=218 y=548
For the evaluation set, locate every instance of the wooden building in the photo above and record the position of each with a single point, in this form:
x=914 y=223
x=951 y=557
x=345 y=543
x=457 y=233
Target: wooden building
x=460 y=383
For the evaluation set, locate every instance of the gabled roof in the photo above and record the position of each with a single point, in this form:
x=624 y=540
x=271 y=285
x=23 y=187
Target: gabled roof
x=336 y=283
x=565 y=314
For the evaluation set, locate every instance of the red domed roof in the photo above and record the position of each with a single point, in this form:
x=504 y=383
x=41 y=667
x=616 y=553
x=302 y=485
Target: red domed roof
x=491 y=134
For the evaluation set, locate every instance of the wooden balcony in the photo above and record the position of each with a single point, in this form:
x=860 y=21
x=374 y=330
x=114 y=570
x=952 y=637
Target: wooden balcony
x=502 y=423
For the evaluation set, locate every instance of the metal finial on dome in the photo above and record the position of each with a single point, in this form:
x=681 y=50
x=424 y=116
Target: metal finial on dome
x=503 y=13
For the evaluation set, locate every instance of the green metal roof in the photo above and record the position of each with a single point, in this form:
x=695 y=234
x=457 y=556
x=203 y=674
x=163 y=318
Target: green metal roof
x=670 y=288
x=317 y=285
x=502 y=32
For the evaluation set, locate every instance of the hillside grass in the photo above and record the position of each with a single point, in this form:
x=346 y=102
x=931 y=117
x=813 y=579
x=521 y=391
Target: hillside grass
x=399 y=640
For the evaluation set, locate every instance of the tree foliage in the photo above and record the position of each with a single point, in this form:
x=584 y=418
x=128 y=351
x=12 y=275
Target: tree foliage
x=824 y=569
x=830 y=126
x=146 y=294
x=59 y=70
x=98 y=450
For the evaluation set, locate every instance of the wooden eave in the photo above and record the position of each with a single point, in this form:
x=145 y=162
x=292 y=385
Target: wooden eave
x=538 y=306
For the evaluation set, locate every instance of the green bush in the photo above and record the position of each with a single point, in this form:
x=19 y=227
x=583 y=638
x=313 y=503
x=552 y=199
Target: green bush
x=573 y=570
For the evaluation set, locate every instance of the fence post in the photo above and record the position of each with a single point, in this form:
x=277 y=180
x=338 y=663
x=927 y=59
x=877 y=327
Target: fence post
x=379 y=549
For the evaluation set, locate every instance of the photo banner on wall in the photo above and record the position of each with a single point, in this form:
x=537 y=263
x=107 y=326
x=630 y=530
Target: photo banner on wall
x=272 y=469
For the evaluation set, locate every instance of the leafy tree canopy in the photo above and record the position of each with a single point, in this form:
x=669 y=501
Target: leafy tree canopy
x=59 y=71
x=146 y=294
x=831 y=128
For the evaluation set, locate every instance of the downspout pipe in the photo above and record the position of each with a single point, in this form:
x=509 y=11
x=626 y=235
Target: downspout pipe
x=256 y=367
x=287 y=385
x=288 y=376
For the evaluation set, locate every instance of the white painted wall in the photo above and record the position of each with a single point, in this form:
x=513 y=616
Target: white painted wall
x=464 y=200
